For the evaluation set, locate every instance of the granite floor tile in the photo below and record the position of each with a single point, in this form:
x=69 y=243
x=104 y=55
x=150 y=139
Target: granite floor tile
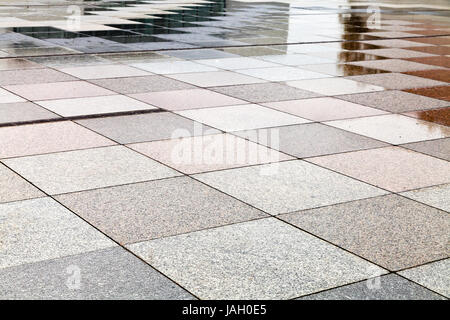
x=88 y=169
x=146 y=127
x=172 y=67
x=432 y=40
x=295 y=59
x=58 y=90
x=390 y=231
x=17 y=141
x=141 y=84
x=103 y=71
x=32 y=76
x=388 y=287
x=217 y=78
x=236 y=63
x=14 y=188
x=253 y=260
x=8 y=97
x=437 y=196
x=396 y=81
x=391 y=168
x=282 y=73
x=196 y=54
x=439 y=50
x=441 y=61
x=41 y=229
x=23 y=111
x=341 y=70
x=64 y=61
x=395 y=65
x=395 y=101
x=264 y=92
x=187 y=99
x=17 y=64
x=287 y=186
x=396 y=53
x=442 y=92
x=334 y=86
x=437 y=148
x=150 y=210
x=111 y=273
x=434 y=276
x=207 y=153
x=94 y=105
x=397 y=129
x=439 y=116
x=241 y=117
x=310 y=140
x=439 y=75
x=323 y=109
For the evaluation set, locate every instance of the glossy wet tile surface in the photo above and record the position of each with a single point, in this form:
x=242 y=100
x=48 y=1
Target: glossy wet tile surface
x=177 y=128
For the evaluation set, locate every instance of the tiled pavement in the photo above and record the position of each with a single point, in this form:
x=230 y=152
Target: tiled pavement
x=206 y=149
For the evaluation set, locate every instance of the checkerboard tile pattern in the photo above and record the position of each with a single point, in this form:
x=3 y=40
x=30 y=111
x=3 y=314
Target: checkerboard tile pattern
x=239 y=150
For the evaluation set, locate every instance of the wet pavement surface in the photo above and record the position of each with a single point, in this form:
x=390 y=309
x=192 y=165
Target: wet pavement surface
x=214 y=149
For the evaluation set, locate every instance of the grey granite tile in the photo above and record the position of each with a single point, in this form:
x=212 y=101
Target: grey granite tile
x=104 y=274
x=23 y=111
x=141 y=84
x=437 y=148
x=154 y=209
x=388 y=287
x=146 y=127
x=288 y=186
x=13 y=187
x=437 y=196
x=262 y=259
x=435 y=276
x=397 y=81
x=395 y=65
x=88 y=169
x=42 y=229
x=195 y=54
x=31 y=76
x=311 y=139
x=391 y=231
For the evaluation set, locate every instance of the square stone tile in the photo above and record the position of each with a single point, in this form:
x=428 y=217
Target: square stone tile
x=207 y=153
x=187 y=99
x=442 y=61
x=334 y=86
x=287 y=186
x=155 y=209
x=397 y=129
x=442 y=92
x=111 y=273
x=141 y=84
x=8 y=97
x=439 y=148
x=395 y=65
x=94 y=105
x=196 y=54
x=282 y=74
x=262 y=259
x=58 y=90
x=323 y=109
x=295 y=59
x=241 y=117
x=213 y=79
x=236 y=63
x=389 y=287
x=23 y=111
x=396 y=53
x=395 y=101
x=88 y=169
x=434 y=276
x=439 y=75
x=104 y=71
x=395 y=43
x=17 y=141
x=265 y=92
x=391 y=168
x=17 y=64
x=309 y=140
x=397 y=81
x=171 y=67
x=437 y=50
x=13 y=187
x=439 y=116
x=41 y=229
x=146 y=127
x=340 y=70
x=31 y=76
x=437 y=196
x=390 y=231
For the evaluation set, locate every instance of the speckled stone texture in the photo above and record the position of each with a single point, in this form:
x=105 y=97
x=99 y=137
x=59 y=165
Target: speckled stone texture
x=41 y=229
x=28 y=76
x=437 y=196
x=435 y=276
x=386 y=230
x=287 y=186
x=155 y=209
x=23 y=112
x=104 y=274
x=439 y=148
x=389 y=287
x=13 y=187
x=262 y=259
x=397 y=81
x=88 y=169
